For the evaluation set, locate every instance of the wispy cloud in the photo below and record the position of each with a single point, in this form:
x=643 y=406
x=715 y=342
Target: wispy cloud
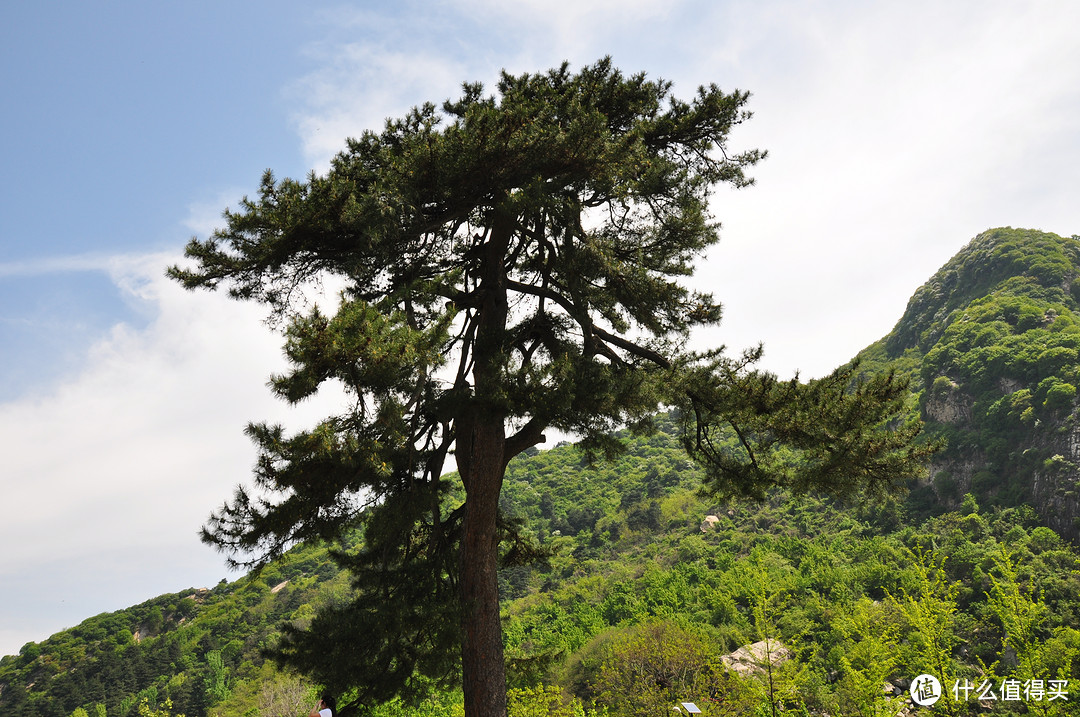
x=139 y=444
x=359 y=86
x=57 y=265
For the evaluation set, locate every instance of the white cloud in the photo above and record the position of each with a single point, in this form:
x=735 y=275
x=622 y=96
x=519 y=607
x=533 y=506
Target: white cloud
x=896 y=133
x=55 y=264
x=551 y=31
x=359 y=87
x=138 y=447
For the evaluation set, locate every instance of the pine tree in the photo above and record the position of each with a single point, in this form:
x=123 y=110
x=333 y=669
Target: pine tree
x=514 y=262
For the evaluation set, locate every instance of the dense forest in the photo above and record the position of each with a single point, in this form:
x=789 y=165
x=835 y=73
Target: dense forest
x=644 y=594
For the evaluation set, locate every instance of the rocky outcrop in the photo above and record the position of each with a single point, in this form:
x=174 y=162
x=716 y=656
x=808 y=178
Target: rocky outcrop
x=1055 y=487
x=949 y=407
x=753 y=659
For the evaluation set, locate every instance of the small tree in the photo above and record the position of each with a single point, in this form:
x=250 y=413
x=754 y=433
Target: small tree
x=547 y=701
x=216 y=682
x=929 y=610
x=771 y=679
x=272 y=694
x=513 y=263
x=648 y=668
x=869 y=658
x=1039 y=653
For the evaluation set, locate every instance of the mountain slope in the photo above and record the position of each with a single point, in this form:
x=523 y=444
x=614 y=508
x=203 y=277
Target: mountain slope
x=635 y=553
x=186 y=646
x=993 y=343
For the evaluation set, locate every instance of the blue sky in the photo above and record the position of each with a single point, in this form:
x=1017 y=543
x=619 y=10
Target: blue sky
x=896 y=131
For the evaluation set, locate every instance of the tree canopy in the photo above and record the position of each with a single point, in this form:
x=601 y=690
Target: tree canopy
x=513 y=262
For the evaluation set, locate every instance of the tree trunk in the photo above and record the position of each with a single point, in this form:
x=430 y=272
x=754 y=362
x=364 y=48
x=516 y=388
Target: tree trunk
x=481 y=446
x=483 y=670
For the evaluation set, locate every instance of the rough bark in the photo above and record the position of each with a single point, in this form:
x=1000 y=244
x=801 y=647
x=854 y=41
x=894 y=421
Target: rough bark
x=483 y=671
x=482 y=463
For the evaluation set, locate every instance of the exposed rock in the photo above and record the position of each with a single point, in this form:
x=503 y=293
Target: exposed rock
x=199 y=595
x=952 y=407
x=709 y=523
x=1010 y=386
x=752 y=659
x=1055 y=489
x=960 y=470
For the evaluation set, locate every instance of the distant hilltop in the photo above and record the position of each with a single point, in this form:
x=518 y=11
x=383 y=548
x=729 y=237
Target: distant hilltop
x=992 y=343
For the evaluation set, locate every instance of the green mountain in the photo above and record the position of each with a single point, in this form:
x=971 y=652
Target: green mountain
x=653 y=594
x=992 y=343
x=185 y=646
x=648 y=585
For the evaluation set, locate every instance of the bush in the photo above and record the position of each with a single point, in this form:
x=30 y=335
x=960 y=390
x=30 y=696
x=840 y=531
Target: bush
x=1060 y=397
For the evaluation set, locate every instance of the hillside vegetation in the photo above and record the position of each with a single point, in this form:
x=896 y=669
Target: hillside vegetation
x=992 y=343
x=649 y=591
x=637 y=605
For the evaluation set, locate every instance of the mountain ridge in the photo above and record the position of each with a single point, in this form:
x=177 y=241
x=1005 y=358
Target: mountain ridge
x=986 y=261
x=992 y=344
